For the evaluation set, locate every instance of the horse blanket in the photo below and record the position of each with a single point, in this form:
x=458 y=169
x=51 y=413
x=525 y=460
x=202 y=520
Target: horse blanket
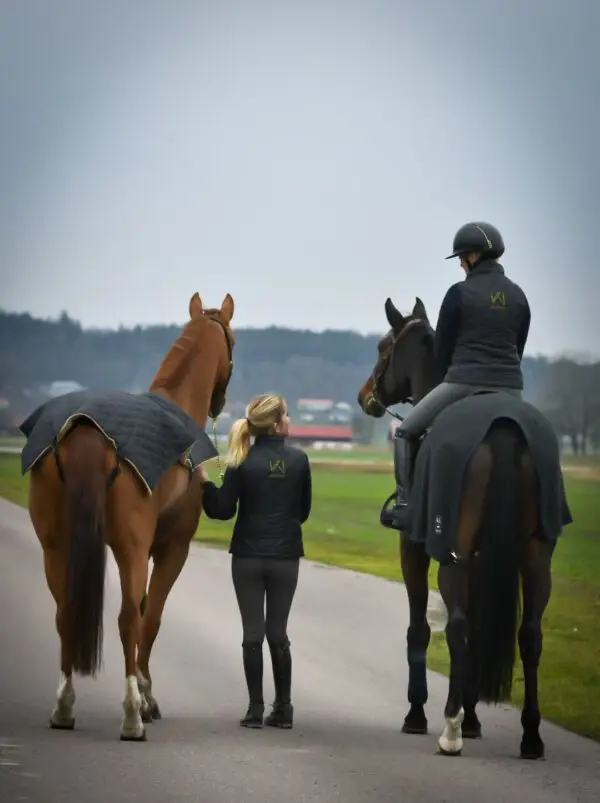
x=147 y=430
x=445 y=454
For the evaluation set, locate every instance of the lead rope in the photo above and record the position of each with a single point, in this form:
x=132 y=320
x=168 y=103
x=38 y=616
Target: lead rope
x=214 y=429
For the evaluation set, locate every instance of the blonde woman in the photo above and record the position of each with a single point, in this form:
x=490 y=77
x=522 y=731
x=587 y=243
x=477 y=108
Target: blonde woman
x=269 y=484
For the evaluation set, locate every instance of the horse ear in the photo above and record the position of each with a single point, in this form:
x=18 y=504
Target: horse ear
x=419 y=310
x=227 y=309
x=394 y=316
x=196 y=309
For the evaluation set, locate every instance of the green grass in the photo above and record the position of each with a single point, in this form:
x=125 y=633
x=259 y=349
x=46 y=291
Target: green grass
x=344 y=530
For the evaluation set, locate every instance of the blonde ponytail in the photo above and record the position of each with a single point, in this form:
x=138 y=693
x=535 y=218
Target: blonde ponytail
x=239 y=442
x=263 y=414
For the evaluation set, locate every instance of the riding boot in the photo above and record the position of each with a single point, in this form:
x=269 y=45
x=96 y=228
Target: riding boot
x=253 y=669
x=282 y=715
x=405 y=452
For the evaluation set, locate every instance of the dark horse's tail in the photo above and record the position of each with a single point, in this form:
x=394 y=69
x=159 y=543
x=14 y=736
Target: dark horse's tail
x=83 y=463
x=497 y=605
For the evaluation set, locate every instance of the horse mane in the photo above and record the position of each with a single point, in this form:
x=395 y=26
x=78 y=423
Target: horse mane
x=176 y=359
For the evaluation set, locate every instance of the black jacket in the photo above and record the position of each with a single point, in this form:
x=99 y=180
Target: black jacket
x=482 y=329
x=273 y=488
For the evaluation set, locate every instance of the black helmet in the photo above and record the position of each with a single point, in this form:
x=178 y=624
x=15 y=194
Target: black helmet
x=481 y=238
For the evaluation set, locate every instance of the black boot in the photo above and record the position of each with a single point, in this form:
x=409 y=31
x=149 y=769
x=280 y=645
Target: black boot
x=282 y=715
x=405 y=452
x=253 y=669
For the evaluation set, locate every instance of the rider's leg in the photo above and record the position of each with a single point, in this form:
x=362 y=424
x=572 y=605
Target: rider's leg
x=407 y=436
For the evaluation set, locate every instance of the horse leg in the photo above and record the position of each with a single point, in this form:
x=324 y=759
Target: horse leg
x=453 y=581
x=133 y=572
x=415 y=568
x=168 y=564
x=471 y=726
x=55 y=566
x=456 y=579
x=537 y=584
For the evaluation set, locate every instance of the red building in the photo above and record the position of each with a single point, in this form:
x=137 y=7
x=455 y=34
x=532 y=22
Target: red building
x=321 y=420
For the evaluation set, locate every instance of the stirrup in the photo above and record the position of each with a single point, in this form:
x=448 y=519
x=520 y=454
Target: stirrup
x=394 y=517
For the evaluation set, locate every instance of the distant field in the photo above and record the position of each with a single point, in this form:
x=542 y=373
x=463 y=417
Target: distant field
x=344 y=530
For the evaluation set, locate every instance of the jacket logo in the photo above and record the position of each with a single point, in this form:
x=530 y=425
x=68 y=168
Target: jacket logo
x=498 y=299
x=276 y=468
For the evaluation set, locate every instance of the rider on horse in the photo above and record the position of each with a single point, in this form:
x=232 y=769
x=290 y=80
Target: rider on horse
x=479 y=342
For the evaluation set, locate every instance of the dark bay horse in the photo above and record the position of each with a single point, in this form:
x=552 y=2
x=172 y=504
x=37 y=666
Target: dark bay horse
x=497 y=544
x=77 y=513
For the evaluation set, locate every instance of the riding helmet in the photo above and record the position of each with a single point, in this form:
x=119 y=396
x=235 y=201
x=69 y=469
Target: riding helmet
x=478 y=237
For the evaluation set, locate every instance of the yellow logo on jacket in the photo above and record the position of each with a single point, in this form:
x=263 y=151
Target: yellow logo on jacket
x=276 y=468
x=498 y=299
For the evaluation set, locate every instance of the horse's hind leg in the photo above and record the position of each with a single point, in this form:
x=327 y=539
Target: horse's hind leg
x=132 y=561
x=454 y=585
x=56 y=567
x=536 y=577
x=415 y=568
x=471 y=726
x=168 y=563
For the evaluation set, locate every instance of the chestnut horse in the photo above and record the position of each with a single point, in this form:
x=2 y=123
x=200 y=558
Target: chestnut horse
x=90 y=504
x=496 y=541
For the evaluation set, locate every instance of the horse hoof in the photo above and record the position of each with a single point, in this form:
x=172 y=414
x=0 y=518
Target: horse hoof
x=147 y=716
x=155 y=710
x=134 y=737
x=450 y=753
x=534 y=751
x=66 y=724
x=472 y=732
x=416 y=729
x=415 y=722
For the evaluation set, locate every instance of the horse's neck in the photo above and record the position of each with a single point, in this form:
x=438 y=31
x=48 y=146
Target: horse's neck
x=194 y=392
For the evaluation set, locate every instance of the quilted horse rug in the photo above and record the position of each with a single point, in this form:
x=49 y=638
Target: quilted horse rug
x=147 y=430
x=444 y=456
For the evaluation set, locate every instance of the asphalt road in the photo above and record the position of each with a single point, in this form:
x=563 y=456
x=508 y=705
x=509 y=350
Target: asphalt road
x=347 y=634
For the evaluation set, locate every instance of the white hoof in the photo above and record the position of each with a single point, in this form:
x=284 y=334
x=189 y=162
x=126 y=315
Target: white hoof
x=450 y=742
x=132 y=727
x=61 y=721
x=62 y=717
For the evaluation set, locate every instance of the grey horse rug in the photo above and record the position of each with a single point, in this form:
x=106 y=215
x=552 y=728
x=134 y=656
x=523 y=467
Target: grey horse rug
x=147 y=430
x=444 y=456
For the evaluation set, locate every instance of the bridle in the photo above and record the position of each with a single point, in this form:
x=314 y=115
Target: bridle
x=223 y=390
x=377 y=374
x=383 y=364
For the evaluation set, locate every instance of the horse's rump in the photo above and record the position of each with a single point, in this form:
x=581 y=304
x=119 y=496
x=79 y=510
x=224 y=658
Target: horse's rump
x=147 y=430
x=444 y=457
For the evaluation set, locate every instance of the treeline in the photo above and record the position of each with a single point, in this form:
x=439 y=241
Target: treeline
x=332 y=364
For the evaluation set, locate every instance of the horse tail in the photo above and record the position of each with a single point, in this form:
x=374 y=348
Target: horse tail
x=497 y=604
x=83 y=463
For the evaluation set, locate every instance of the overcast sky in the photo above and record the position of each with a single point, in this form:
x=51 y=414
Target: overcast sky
x=309 y=157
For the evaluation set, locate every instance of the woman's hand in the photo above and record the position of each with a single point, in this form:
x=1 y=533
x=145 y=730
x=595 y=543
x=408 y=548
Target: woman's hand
x=203 y=474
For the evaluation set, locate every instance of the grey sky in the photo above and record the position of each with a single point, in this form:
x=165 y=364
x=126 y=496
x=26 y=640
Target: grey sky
x=311 y=158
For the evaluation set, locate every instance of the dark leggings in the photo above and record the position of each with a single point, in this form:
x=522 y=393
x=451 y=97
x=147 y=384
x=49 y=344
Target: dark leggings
x=255 y=578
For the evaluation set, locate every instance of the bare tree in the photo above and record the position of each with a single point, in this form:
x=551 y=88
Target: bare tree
x=572 y=400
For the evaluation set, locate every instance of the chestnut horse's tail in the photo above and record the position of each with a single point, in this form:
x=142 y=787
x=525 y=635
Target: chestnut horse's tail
x=83 y=463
